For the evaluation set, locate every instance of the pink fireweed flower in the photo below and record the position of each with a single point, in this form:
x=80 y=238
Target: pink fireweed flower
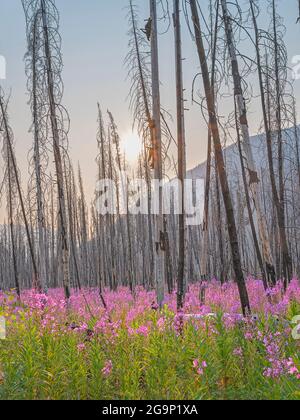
x=199 y=366
x=179 y=323
x=106 y=371
x=130 y=331
x=81 y=347
x=161 y=324
x=238 y=352
x=154 y=306
x=293 y=370
x=143 y=330
x=196 y=363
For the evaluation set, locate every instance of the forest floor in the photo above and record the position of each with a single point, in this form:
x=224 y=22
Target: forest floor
x=132 y=350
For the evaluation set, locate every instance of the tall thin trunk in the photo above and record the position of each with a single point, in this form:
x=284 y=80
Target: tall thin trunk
x=57 y=156
x=246 y=153
x=181 y=154
x=42 y=283
x=205 y=226
x=232 y=230
x=11 y=225
x=157 y=152
x=286 y=258
x=287 y=271
x=19 y=190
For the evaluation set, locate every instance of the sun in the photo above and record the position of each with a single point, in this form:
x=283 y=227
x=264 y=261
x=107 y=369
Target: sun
x=131 y=146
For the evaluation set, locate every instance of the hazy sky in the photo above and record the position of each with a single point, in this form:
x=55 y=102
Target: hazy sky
x=94 y=34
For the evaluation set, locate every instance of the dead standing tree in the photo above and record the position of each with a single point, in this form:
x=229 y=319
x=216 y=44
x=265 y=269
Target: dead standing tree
x=157 y=158
x=248 y=161
x=262 y=39
x=213 y=124
x=38 y=161
x=287 y=270
x=205 y=225
x=140 y=104
x=127 y=242
x=46 y=23
x=102 y=221
x=14 y=190
x=150 y=126
x=181 y=154
x=9 y=182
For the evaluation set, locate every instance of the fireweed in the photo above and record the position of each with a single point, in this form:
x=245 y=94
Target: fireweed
x=133 y=350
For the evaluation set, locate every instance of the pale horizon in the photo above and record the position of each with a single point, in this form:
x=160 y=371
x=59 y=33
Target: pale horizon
x=94 y=71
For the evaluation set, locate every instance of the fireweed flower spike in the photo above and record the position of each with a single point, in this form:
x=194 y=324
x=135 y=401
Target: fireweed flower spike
x=129 y=329
x=106 y=371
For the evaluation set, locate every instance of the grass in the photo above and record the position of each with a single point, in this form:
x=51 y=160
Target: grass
x=135 y=352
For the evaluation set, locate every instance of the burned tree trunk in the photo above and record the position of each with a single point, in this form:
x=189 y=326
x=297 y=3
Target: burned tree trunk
x=287 y=271
x=236 y=258
x=157 y=157
x=57 y=152
x=181 y=155
x=13 y=171
x=248 y=162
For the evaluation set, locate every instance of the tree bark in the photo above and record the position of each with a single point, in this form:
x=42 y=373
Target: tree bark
x=236 y=258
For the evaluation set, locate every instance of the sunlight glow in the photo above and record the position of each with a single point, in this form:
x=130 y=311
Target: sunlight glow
x=131 y=145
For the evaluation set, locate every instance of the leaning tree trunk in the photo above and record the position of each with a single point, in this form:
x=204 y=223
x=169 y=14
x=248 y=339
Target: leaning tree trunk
x=14 y=167
x=247 y=155
x=232 y=230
